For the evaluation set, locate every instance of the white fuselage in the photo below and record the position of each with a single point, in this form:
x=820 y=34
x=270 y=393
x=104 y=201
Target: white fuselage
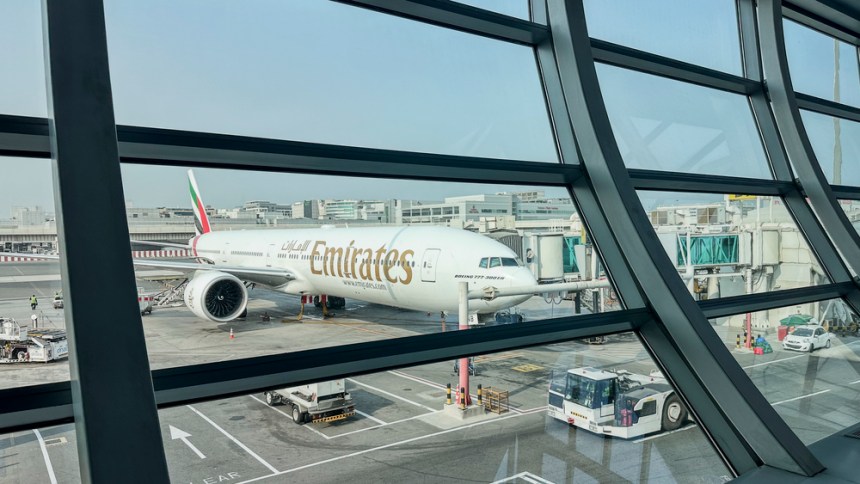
x=409 y=267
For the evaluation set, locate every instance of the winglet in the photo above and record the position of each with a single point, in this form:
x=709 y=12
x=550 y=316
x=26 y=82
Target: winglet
x=201 y=220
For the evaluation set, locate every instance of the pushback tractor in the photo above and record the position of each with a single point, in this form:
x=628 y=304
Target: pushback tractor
x=617 y=402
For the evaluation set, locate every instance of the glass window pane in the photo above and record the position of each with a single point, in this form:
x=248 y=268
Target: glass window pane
x=328 y=73
x=821 y=65
x=617 y=435
x=806 y=365
x=731 y=245
x=836 y=143
x=22 y=85
x=388 y=261
x=667 y=125
x=32 y=321
x=671 y=28
x=40 y=455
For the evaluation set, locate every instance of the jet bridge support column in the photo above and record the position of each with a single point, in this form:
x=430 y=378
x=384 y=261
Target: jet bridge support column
x=464 y=325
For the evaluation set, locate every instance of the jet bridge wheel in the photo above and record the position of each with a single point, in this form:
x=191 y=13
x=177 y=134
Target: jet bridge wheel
x=674 y=413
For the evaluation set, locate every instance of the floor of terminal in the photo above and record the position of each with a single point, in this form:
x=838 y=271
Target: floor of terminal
x=839 y=453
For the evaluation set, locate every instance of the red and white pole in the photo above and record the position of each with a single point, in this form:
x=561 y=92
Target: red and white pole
x=464 y=324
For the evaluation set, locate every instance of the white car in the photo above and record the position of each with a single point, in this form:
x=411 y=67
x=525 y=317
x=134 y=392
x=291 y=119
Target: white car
x=807 y=338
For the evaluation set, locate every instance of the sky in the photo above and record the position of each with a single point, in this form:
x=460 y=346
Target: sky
x=321 y=71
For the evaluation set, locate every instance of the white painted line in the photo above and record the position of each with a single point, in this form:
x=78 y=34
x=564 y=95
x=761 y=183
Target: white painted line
x=774 y=361
x=663 y=434
x=854 y=382
x=371 y=417
x=385 y=424
x=798 y=398
x=44 y=448
x=383 y=447
x=526 y=476
x=234 y=439
x=417 y=379
x=391 y=395
x=291 y=418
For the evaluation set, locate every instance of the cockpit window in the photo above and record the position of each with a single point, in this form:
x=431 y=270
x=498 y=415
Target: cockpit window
x=484 y=263
x=495 y=262
x=509 y=262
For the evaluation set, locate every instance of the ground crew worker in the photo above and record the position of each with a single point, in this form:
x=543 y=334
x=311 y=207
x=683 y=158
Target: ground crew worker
x=33 y=302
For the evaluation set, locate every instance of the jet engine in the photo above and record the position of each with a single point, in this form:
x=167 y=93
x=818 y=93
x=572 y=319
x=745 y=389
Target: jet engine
x=216 y=296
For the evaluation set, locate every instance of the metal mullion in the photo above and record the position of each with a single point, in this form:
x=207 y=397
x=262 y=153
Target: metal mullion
x=795 y=140
x=110 y=381
x=838 y=27
x=690 y=182
x=155 y=147
x=845 y=192
x=630 y=58
x=592 y=217
x=825 y=106
x=29 y=407
x=458 y=16
x=795 y=200
x=737 y=417
x=24 y=136
x=728 y=306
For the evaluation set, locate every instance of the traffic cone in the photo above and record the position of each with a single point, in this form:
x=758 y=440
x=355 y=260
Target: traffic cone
x=231 y=334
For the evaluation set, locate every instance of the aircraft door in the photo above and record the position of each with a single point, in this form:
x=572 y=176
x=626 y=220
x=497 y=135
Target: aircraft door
x=428 y=265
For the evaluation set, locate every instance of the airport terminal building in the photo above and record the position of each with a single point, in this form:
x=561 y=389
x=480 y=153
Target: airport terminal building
x=540 y=241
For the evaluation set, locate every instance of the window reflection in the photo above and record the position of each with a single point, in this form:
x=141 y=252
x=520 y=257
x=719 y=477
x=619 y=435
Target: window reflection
x=667 y=125
x=671 y=28
x=821 y=65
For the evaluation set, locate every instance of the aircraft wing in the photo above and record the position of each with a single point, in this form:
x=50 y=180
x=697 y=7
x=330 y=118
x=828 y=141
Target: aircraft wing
x=260 y=275
x=267 y=276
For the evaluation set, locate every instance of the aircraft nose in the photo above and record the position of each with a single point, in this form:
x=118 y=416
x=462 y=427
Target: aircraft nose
x=522 y=277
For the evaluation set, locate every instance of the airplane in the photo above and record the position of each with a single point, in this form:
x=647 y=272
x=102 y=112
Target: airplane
x=407 y=267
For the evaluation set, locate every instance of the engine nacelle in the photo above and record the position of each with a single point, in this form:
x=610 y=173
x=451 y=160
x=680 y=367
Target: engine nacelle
x=216 y=296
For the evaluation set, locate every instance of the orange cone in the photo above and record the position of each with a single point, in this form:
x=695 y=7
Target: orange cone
x=231 y=334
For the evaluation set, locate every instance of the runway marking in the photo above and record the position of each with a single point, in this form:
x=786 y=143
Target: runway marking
x=665 y=433
x=234 y=439
x=371 y=417
x=391 y=394
x=798 y=398
x=44 y=448
x=356 y=307
x=853 y=382
x=774 y=361
x=382 y=447
x=526 y=476
x=291 y=418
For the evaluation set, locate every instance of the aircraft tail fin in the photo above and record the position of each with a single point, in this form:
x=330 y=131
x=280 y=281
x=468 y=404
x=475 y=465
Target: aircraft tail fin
x=201 y=220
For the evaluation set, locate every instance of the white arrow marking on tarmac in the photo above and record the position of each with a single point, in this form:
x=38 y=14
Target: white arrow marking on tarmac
x=175 y=433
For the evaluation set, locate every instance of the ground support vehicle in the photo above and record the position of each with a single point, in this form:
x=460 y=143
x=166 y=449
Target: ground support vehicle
x=616 y=402
x=20 y=345
x=317 y=402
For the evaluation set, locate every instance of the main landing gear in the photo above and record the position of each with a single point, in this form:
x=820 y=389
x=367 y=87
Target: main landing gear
x=324 y=302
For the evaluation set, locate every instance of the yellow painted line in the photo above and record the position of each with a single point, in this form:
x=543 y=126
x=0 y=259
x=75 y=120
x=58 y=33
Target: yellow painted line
x=528 y=367
x=498 y=357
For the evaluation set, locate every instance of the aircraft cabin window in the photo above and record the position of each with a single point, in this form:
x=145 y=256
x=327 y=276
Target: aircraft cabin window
x=495 y=262
x=484 y=263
